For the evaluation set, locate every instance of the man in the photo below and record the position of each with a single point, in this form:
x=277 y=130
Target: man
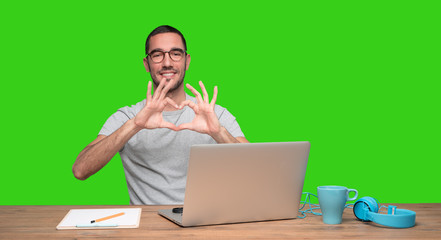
x=154 y=136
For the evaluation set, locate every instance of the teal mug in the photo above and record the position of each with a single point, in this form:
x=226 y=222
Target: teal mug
x=332 y=200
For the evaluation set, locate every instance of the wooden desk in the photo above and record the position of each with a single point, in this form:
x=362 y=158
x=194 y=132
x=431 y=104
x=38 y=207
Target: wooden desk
x=39 y=222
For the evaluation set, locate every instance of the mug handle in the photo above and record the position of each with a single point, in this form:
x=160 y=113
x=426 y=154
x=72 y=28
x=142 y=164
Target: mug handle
x=356 y=194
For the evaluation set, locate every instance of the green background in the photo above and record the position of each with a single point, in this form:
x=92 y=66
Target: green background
x=360 y=80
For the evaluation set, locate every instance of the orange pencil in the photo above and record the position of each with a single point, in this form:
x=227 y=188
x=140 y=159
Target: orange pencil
x=105 y=218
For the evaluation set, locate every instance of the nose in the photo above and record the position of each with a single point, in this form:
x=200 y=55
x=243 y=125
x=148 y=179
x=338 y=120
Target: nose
x=167 y=60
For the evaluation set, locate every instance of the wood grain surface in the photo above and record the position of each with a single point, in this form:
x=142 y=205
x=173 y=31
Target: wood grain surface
x=39 y=222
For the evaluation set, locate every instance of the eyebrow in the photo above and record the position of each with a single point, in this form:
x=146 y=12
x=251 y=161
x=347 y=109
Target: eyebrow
x=162 y=50
x=180 y=49
x=157 y=50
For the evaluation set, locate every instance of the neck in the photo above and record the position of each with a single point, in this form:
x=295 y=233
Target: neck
x=178 y=95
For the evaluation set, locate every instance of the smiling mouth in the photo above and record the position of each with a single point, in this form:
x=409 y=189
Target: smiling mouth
x=168 y=74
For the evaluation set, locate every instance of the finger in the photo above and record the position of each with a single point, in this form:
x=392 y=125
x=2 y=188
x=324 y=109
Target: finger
x=195 y=92
x=213 y=101
x=149 y=91
x=204 y=91
x=158 y=90
x=170 y=102
x=189 y=103
x=165 y=91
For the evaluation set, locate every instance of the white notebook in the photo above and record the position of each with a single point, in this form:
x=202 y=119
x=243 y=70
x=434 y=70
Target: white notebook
x=81 y=218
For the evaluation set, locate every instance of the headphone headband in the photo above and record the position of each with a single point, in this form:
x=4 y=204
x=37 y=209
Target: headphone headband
x=366 y=209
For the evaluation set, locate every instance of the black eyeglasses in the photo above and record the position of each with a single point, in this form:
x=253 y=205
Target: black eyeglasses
x=175 y=55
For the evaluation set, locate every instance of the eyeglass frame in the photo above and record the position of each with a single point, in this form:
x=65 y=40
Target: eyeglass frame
x=164 y=52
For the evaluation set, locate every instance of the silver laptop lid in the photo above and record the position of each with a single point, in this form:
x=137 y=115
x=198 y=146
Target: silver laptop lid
x=230 y=183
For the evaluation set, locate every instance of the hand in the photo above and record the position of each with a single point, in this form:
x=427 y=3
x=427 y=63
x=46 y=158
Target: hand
x=205 y=120
x=150 y=116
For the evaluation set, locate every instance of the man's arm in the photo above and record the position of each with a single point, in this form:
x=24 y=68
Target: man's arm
x=223 y=136
x=98 y=153
x=242 y=140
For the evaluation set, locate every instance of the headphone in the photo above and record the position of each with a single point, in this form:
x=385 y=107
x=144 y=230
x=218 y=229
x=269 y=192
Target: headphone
x=366 y=209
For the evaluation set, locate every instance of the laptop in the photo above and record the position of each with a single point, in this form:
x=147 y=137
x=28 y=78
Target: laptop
x=246 y=182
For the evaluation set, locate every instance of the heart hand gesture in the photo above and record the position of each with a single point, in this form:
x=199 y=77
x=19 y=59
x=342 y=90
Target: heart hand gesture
x=150 y=116
x=205 y=120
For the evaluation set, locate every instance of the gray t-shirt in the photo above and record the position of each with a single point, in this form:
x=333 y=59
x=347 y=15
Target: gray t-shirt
x=155 y=160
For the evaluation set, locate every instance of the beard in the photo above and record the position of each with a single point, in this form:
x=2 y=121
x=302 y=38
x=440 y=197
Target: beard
x=178 y=83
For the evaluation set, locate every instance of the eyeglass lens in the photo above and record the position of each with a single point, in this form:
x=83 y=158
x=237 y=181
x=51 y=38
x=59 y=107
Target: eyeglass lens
x=175 y=55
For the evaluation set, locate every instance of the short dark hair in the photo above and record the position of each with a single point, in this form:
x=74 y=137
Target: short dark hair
x=163 y=29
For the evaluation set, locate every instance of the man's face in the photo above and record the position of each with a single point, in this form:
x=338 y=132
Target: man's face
x=173 y=71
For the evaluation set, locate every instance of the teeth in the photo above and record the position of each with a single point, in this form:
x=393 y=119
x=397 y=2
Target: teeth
x=167 y=74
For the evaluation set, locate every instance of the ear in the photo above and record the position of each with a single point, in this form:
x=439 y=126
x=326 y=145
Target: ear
x=188 y=62
x=146 y=64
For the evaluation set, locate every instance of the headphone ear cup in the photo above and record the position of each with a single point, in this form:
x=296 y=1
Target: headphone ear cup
x=374 y=205
x=365 y=205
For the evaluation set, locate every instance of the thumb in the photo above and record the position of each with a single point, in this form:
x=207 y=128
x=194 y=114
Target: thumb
x=169 y=126
x=183 y=126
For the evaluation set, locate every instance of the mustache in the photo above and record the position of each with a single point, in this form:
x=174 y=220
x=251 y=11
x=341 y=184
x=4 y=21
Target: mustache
x=163 y=69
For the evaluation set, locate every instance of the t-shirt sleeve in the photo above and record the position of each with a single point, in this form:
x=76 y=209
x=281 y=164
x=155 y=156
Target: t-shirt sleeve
x=228 y=121
x=114 y=123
